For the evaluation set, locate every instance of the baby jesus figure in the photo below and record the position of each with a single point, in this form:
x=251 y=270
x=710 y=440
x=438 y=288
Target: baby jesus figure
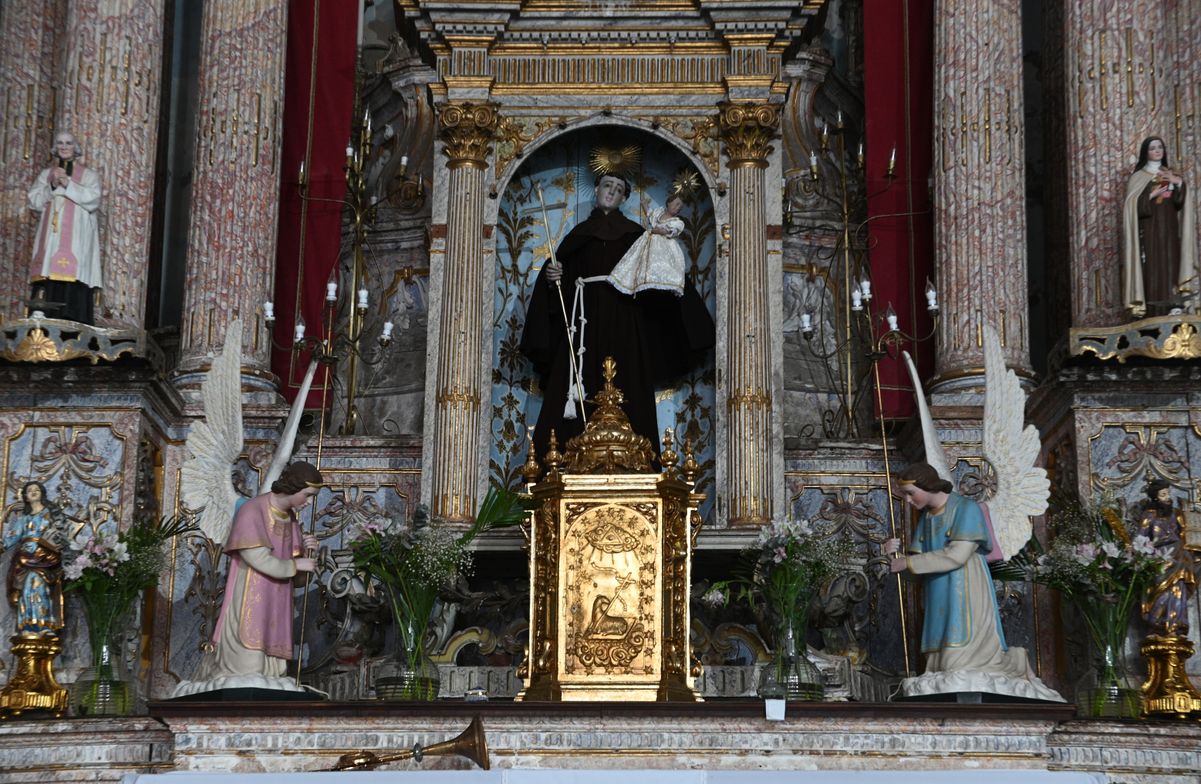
x=656 y=259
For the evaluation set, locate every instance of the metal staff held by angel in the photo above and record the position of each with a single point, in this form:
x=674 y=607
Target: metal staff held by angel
x=262 y=537
x=955 y=538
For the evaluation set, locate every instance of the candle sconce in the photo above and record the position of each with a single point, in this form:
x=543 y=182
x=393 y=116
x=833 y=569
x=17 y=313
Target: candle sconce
x=860 y=338
x=331 y=346
x=873 y=336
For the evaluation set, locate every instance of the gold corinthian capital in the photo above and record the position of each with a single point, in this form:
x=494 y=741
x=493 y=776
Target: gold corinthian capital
x=747 y=130
x=467 y=128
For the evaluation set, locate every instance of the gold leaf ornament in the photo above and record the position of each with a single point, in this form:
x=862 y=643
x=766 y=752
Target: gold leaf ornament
x=614 y=161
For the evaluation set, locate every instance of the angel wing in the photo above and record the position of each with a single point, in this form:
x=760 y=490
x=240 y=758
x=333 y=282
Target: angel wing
x=215 y=442
x=1012 y=448
x=287 y=439
x=935 y=455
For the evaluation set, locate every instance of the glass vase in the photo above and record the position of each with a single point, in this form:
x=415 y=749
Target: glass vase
x=417 y=678
x=1105 y=691
x=789 y=675
x=105 y=687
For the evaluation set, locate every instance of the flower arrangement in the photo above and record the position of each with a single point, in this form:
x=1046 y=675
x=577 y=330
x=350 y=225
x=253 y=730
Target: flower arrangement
x=416 y=563
x=109 y=572
x=788 y=564
x=1098 y=566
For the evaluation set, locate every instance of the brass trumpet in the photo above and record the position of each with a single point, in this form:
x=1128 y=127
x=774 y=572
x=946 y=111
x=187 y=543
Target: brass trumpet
x=470 y=743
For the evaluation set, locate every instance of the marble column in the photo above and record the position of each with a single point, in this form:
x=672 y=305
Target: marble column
x=30 y=67
x=747 y=129
x=110 y=101
x=979 y=185
x=466 y=129
x=1117 y=59
x=235 y=190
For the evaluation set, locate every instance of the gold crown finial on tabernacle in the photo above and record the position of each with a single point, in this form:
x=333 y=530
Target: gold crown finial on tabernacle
x=608 y=444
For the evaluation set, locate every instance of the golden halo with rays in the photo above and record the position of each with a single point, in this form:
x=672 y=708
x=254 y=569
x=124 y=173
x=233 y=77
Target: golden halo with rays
x=610 y=160
x=685 y=185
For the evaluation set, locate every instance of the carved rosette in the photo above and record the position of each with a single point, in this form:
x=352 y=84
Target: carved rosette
x=747 y=129
x=467 y=129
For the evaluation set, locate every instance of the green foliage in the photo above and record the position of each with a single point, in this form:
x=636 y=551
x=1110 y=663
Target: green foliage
x=415 y=563
x=1094 y=562
x=788 y=565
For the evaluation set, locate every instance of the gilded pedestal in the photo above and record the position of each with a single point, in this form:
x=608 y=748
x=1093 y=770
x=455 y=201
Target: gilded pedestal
x=610 y=563
x=1168 y=693
x=32 y=686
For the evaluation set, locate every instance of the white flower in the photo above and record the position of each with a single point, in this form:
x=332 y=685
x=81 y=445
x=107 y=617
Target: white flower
x=1142 y=544
x=74 y=570
x=1111 y=549
x=120 y=552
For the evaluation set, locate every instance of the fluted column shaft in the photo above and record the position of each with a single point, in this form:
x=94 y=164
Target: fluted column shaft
x=466 y=128
x=746 y=130
x=30 y=35
x=1118 y=64
x=235 y=191
x=110 y=102
x=979 y=184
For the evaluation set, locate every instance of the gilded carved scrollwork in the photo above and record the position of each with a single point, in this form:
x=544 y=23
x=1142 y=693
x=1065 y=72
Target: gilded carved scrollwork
x=611 y=576
x=1160 y=337
x=467 y=129
x=514 y=134
x=747 y=129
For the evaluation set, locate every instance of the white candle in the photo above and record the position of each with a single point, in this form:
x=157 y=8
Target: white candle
x=892 y=321
x=299 y=331
x=269 y=311
x=856 y=300
x=806 y=322
x=387 y=330
x=812 y=159
x=362 y=298
x=865 y=286
x=892 y=158
x=931 y=299
x=838 y=119
x=301 y=179
x=404 y=160
x=331 y=291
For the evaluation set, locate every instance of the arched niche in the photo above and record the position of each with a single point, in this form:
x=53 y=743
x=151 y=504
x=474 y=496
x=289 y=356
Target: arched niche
x=560 y=165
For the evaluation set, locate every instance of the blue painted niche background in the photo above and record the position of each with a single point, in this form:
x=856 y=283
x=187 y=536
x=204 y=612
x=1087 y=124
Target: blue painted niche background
x=561 y=169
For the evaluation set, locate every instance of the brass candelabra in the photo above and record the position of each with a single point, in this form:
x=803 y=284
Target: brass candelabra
x=332 y=345
x=855 y=348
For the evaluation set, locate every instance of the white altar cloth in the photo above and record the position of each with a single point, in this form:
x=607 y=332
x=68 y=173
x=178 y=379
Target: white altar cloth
x=560 y=776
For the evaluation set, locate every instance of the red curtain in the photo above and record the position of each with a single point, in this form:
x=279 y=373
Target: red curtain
x=317 y=120
x=898 y=97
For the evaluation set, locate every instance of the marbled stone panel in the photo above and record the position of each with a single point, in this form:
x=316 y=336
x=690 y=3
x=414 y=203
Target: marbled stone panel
x=1118 y=91
x=235 y=202
x=41 y=752
x=30 y=70
x=979 y=184
x=111 y=102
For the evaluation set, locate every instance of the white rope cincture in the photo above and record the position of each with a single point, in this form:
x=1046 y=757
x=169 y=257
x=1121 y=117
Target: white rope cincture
x=576 y=393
